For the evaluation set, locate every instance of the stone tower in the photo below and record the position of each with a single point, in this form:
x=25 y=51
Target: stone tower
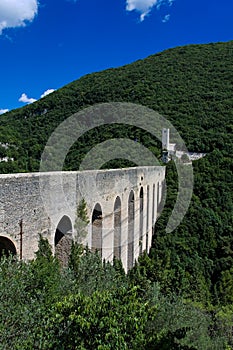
x=165 y=138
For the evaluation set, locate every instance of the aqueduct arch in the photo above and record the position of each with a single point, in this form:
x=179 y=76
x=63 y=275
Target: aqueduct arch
x=153 y=208
x=97 y=225
x=7 y=247
x=47 y=203
x=117 y=228
x=141 y=217
x=147 y=216
x=131 y=221
x=63 y=239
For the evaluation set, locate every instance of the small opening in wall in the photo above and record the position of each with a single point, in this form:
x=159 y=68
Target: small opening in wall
x=141 y=178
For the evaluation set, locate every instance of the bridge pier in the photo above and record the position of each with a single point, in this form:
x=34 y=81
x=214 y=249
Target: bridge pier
x=108 y=234
x=150 y=209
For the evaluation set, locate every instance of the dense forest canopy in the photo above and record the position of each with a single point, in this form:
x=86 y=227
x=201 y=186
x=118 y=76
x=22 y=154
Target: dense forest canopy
x=190 y=270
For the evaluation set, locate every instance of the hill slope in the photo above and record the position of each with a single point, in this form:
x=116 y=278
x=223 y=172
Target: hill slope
x=191 y=86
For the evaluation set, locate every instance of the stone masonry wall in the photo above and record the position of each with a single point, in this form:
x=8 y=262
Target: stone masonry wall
x=41 y=200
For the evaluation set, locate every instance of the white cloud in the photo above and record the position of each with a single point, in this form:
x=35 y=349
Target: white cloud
x=166 y=18
x=2 y=111
x=16 y=13
x=145 y=6
x=47 y=92
x=25 y=99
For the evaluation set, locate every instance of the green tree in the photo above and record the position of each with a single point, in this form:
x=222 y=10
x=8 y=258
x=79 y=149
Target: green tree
x=81 y=221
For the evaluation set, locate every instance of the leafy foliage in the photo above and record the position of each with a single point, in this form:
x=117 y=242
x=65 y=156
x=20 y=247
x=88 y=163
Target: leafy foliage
x=81 y=221
x=46 y=307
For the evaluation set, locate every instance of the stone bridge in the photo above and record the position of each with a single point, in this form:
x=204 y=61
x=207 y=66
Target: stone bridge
x=122 y=207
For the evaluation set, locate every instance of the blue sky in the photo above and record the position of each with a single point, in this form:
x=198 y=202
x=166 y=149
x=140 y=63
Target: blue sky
x=46 y=44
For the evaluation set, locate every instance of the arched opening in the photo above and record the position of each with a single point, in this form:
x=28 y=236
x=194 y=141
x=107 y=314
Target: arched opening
x=158 y=195
x=153 y=209
x=63 y=240
x=131 y=217
x=97 y=223
x=163 y=194
x=147 y=217
x=141 y=221
x=117 y=228
x=7 y=247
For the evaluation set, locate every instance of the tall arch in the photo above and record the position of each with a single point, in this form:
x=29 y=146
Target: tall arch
x=7 y=247
x=131 y=219
x=141 y=197
x=147 y=216
x=97 y=226
x=153 y=209
x=63 y=239
x=158 y=195
x=117 y=228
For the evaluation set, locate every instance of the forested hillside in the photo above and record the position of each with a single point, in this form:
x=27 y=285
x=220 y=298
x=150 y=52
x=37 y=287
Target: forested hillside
x=191 y=86
x=189 y=272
